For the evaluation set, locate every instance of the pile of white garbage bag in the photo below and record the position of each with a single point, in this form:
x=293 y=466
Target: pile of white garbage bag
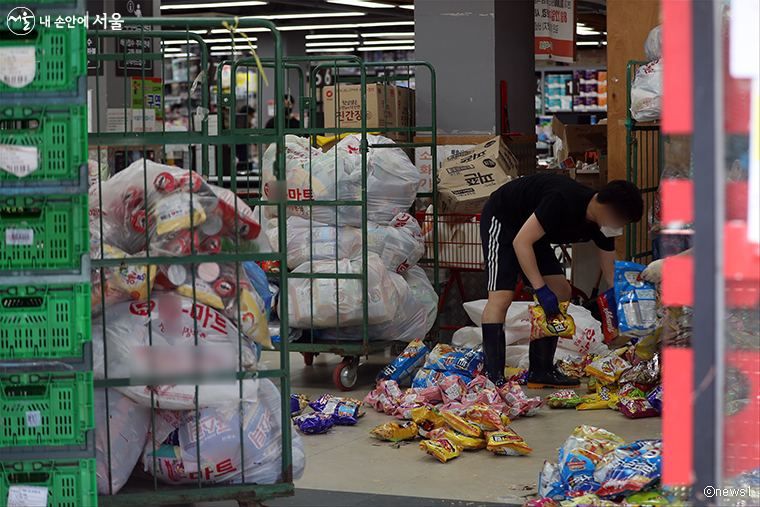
x=172 y=454
x=328 y=239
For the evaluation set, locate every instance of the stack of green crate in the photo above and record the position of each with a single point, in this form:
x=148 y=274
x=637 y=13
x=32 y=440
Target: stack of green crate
x=47 y=429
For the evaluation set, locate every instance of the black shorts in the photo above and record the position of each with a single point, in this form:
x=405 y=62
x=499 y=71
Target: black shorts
x=500 y=259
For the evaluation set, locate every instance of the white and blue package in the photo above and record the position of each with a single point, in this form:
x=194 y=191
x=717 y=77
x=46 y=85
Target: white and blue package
x=402 y=367
x=456 y=359
x=636 y=300
x=630 y=468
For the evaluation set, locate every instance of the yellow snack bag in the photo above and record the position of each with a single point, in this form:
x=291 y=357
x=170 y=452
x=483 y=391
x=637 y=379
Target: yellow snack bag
x=137 y=281
x=466 y=443
x=507 y=443
x=562 y=325
x=394 y=432
x=173 y=213
x=442 y=449
x=608 y=368
x=427 y=419
x=462 y=426
x=605 y=398
x=485 y=417
x=204 y=293
x=253 y=322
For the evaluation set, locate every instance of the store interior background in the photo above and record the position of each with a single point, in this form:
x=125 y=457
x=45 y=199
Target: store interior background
x=473 y=46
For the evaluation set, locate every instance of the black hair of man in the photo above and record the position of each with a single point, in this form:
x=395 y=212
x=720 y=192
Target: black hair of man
x=625 y=199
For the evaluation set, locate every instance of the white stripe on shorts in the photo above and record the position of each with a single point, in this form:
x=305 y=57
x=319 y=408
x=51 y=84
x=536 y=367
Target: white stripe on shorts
x=493 y=253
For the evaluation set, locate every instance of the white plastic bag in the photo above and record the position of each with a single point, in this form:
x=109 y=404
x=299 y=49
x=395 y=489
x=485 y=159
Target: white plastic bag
x=327 y=296
x=128 y=424
x=588 y=338
x=220 y=444
x=173 y=319
x=467 y=337
x=653 y=44
x=315 y=241
x=646 y=92
x=408 y=324
x=398 y=244
x=423 y=291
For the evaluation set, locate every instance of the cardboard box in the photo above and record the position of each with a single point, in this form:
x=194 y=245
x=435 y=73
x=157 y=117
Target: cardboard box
x=402 y=113
x=381 y=106
x=593 y=179
x=578 y=139
x=467 y=180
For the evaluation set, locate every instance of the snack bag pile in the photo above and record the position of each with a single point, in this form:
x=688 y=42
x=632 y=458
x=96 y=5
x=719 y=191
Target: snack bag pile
x=636 y=300
x=402 y=367
x=597 y=468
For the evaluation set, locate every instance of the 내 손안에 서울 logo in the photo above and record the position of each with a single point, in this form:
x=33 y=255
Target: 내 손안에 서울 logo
x=23 y=16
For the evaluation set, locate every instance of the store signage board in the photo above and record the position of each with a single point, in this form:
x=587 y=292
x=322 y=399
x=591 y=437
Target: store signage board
x=554 y=27
x=153 y=90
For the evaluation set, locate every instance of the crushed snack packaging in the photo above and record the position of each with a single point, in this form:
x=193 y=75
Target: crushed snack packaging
x=394 y=432
x=515 y=375
x=608 y=368
x=636 y=300
x=507 y=443
x=604 y=398
x=485 y=417
x=479 y=384
x=655 y=397
x=630 y=468
x=647 y=372
x=390 y=388
x=442 y=449
x=465 y=428
x=298 y=402
x=427 y=419
x=646 y=498
x=563 y=399
x=636 y=408
x=562 y=325
x=549 y=482
x=588 y=500
x=455 y=360
x=542 y=502
x=629 y=389
x=579 y=456
x=314 y=423
x=518 y=404
x=453 y=389
x=466 y=443
x=572 y=366
x=402 y=367
x=344 y=411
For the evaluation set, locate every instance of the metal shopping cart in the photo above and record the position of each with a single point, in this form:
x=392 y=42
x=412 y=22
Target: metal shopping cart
x=460 y=249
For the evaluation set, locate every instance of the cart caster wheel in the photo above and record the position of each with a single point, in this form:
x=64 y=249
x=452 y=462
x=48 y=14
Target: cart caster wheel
x=346 y=375
x=308 y=358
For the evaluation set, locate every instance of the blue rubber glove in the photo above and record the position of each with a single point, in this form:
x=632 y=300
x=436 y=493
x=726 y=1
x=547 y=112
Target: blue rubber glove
x=548 y=301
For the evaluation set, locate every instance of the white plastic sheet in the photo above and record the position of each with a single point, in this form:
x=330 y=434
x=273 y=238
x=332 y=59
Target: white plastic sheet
x=646 y=92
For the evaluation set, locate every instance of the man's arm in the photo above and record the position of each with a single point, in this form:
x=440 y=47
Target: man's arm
x=607 y=262
x=530 y=232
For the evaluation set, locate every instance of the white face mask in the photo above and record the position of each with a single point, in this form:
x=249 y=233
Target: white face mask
x=611 y=232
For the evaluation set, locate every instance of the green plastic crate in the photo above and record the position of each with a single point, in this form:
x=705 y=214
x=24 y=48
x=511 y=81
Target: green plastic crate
x=61 y=55
x=70 y=483
x=46 y=408
x=44 y=321
x=58 y=132
x=43 y=232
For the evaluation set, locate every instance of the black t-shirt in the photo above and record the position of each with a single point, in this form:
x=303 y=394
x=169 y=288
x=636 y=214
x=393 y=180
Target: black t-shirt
x=291 y=123
x=559 y=203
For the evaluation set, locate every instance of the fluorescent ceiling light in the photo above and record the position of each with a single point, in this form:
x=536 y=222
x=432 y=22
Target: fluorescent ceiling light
x=211 y=4
x=410 y=7
x=332 y=36
x=590 y=43
x=362 y=3
x=385 y=48
x=388 y=34
x=397 y=41
x=181 y=55
x=342 y=43
x=229 y=48
x=320 y=27
x=330 y=50
x=312 y=15
x=172 y=50
x=208 y=41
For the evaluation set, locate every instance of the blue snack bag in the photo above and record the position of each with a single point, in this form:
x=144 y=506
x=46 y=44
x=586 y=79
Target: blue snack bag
x=314 y=423
x=636 y=300
x=630 y=468
x=411 y=358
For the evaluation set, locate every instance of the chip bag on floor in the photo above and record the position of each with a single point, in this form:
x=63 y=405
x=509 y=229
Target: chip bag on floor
x=655 y=397
x=572 y=366
x=608 y=369
x=542 y=502
x=507 y=443
x=485 y=417
x=636 y=300
x=518 y=403
x=550 y=482
x=630 y=468
x=427 y=419
x=459 y=424
x=515 y=375
x=442 y=449
x=604 y=398
x=298 y=402
x=453 y=389
x=564 y=399
x=394 y=432
x=588 y=500
x=465 y=442
x=579 y=456
x=448 y=358
x=540 y=326
x=636 y=408
x=314 y=423
x=412 y=357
